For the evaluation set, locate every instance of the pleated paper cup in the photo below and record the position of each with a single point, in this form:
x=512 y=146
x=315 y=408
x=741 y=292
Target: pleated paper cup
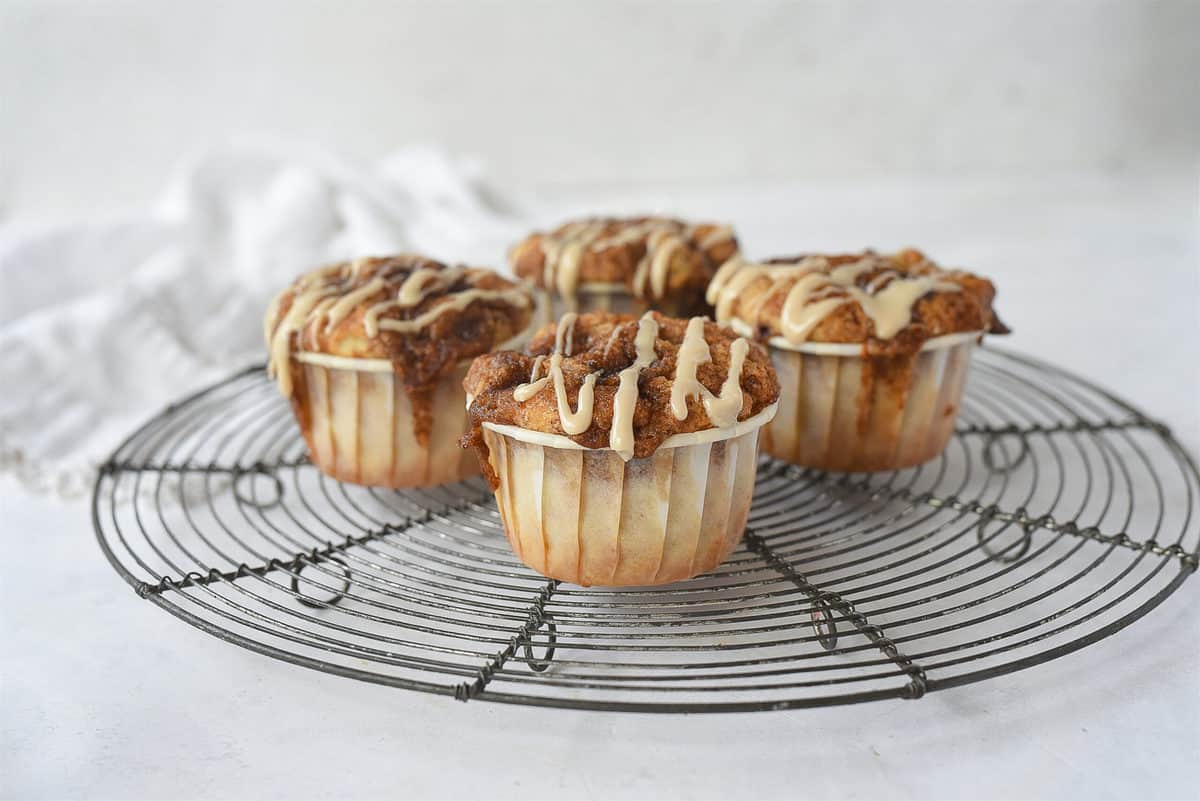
x=588 y=517
x=604 y=297
x=361 y=422
x=843 y=411
x=588 y=298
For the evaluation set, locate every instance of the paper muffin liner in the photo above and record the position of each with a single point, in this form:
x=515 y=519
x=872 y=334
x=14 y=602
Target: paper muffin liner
x=603 y=297
x=842 y=411
x=588 y=517
x=361 y=422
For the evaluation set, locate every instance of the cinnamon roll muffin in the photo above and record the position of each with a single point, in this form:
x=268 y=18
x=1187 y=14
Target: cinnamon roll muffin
x=624 y=265
x=622 y=451
x=372 y=353
x=871 y=351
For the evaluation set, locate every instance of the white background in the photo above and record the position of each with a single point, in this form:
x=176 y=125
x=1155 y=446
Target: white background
x=1051 y=146
x=101 y=98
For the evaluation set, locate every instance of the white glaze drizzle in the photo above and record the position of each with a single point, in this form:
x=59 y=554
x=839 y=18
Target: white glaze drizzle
x=526 y=391
x=424 y=281
x=457 y=302
x=661 y=246
x=564 y=343
x=420 y=284
x=718 y=234
x=325 y=295
x=722 y=409
x=281 y=337
x=801 y=312
x=736 y=274
x=578 y=421
x=563 y=252
x=612 y=338
x=879 y=281
x=818 y=290
x=891 y=307
x=620 y=436
x=318 y=313
x=565 y=334
x=338 y=310
x=693 y=352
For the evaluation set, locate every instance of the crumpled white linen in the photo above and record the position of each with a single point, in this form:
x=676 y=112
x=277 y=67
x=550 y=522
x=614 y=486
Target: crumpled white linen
x=103 y=324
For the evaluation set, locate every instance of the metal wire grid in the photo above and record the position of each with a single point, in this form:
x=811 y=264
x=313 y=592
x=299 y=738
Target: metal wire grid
x=1058 y=515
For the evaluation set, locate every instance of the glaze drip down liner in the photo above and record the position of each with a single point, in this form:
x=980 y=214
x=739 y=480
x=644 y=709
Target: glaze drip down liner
x=871 y=352
x=365 y=426
x=371 y=354
x=853 y=414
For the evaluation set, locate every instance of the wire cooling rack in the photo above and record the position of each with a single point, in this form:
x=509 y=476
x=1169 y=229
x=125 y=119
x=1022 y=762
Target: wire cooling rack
x=1057 y=516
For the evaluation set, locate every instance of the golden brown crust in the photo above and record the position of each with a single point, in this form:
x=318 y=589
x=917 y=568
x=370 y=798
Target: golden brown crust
x=420 y=357
x=604 y=343
x=617 y=245
x=936 y=314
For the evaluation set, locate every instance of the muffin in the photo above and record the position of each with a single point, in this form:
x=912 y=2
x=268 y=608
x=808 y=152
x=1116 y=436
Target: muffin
x=623 y=265
x=871 y=351
x=372 y=354
x=622 y=451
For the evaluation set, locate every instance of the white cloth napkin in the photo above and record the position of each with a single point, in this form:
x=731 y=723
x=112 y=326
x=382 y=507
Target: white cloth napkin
x=103 y=324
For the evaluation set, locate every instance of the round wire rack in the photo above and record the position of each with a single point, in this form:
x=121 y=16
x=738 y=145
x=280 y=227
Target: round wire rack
x=1058 y=515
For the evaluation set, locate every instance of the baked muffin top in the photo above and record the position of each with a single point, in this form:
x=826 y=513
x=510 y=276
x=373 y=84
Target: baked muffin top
x=891 y=304
x=612 y=380
x=420 y=314
x=654 y=257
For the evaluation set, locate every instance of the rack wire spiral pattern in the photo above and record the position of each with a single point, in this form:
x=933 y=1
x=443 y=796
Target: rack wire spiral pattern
x=1058 y=515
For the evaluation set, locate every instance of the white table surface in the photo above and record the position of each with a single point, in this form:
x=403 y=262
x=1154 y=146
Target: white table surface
x=104 y=695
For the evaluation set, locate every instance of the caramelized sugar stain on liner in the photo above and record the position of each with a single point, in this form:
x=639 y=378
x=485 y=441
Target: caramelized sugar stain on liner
x=372 y=353
x=871 y=351
x=841 y=411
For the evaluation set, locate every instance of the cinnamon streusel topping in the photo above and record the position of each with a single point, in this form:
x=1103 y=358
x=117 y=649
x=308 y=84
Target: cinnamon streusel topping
x=423 y=316
x=610 y=380
x=653 y=257
x=891 y=304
